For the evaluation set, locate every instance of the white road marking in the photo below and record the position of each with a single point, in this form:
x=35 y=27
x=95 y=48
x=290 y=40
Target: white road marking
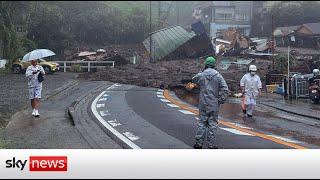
x=114 y=123
x=131 y=136
x=100 y=105
x=197 y=118
x=160 y=96
x=164 y=100
x=234 y=131
x=103 y=99
x=186 y=112
x=106 y=95
x=173 y=105
x=105 y=113
x=160 y=93
x=160 y=90
x=239 y=125
x=285 y=139
x=110 y=128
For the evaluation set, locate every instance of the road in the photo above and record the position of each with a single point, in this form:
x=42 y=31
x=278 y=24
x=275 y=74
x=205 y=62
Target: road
x=145 y=118
x=104 y=115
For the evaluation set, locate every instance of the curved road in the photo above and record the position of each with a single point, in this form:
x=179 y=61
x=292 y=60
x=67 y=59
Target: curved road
x=140 y=117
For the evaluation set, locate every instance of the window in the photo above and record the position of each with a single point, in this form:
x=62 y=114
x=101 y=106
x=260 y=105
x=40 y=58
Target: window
x=222 y=3
x=223 y=16
x=242 y=17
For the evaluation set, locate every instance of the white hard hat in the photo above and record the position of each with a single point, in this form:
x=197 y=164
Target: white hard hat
x=316 y=72
x=252 y=68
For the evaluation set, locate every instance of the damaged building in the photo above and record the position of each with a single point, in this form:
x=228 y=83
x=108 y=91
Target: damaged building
x=176 y=43
x=306 y=36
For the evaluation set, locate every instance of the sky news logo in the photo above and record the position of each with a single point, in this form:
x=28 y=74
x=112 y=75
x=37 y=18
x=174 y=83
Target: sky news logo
x=39 y=163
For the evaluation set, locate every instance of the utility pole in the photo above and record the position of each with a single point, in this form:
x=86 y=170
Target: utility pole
x=150 y=30
x=159 y=14
x=178 y=12
x=273 y=43
x=288 y=89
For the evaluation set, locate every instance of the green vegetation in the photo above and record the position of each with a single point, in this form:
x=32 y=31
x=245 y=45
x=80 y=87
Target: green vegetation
x=59 y=25
x=281 y=62
x=3 y=143
x=76 y=68
x=299 y=12
x=13 y=44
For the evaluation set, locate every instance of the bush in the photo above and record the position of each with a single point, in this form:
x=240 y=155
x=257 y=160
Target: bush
x=281 y=62
x=76 y=68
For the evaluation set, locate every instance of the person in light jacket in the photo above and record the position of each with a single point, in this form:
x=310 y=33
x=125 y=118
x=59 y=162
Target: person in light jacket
x=34 y=86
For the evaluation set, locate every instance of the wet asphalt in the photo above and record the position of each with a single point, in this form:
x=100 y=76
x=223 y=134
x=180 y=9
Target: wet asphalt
x=142 y=115
x=54 y=129
x=156 y=125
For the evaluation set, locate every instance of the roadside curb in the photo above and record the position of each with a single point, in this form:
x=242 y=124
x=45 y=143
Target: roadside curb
x=78 y=121
x=290 y=111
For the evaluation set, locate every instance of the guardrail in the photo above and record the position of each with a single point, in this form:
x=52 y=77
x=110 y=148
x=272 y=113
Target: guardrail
x=84 y=64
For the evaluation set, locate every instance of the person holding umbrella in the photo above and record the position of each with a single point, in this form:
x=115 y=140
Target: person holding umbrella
x=35 y=86
x=35 y=73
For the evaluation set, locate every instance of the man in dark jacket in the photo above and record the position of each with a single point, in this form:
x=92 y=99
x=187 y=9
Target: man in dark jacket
x=213 y=92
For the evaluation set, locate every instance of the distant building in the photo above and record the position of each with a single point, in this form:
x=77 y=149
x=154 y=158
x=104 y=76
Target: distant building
x=306 y=35
x=261 y=19
x=222 y=15
x=21 y=21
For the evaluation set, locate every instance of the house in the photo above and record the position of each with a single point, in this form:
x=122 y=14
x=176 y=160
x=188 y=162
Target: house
x=306 y=35
x=281 y=34
x=222 y=15
x=175 y=42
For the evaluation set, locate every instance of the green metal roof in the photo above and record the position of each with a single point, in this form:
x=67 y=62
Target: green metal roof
x=167 y=40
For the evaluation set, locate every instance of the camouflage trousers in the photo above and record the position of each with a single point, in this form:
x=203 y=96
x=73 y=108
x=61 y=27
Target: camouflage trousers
x=207 y=124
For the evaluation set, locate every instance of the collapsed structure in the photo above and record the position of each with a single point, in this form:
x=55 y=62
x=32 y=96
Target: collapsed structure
x=175 y=43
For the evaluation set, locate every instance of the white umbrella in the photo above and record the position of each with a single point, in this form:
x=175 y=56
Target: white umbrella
x=37 y=54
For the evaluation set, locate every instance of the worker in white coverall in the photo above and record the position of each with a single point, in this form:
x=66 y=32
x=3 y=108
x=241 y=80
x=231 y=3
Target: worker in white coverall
x=251 y=88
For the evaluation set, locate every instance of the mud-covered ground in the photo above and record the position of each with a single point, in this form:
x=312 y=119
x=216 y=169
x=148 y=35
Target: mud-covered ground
x=168 y=73
x=14 y=92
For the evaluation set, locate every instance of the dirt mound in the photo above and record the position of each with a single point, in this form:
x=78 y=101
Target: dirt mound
x=165 y=73
x=175 y=73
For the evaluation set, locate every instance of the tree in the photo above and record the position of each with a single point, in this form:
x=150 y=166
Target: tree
x=14 y=45
x=288 y=14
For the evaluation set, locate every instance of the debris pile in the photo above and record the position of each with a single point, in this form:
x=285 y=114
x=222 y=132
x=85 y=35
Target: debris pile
x=160 y=74
x=231 y=43
x=121 y=54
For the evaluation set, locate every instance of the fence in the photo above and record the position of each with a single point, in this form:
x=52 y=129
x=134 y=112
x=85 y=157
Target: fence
x=300 y=85
x=275 y=79
x=85 y=64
